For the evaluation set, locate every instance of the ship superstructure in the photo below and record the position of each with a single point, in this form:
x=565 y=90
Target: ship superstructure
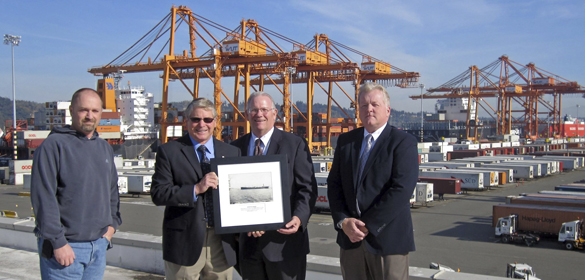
x=455 y=109
x=136 y=110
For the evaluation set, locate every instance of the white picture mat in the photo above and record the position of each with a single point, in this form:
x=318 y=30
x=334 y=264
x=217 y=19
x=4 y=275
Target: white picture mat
x=250 y=213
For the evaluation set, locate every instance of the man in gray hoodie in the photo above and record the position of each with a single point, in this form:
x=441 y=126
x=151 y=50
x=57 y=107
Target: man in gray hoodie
x=74 y=194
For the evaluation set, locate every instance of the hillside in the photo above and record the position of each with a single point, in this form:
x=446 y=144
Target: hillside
x=24 y=110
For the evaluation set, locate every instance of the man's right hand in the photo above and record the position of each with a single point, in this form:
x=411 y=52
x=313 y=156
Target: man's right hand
x=210 y=180
x=64 y=255
x=354 y=229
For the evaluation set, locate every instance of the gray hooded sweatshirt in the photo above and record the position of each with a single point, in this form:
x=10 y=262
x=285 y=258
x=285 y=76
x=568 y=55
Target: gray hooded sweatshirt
x=74 y=188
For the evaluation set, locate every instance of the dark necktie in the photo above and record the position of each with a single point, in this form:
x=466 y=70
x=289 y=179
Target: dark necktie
x=361 y=164
x=258 y=150
x=207 y=196
x=364 y=157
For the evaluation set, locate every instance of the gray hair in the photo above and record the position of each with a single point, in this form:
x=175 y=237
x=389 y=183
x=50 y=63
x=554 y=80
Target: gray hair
x=256 y=94
x=369 y=87
x=202 y=103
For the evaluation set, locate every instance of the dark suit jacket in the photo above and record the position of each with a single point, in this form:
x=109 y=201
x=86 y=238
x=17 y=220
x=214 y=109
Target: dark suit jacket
x=177 y=170
x=389 y=179
x=303 y=189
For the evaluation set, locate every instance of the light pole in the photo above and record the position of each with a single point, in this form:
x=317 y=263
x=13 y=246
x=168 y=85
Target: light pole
x=13 y=40
x=422 y=87
x=291 y=71
x=578 y=135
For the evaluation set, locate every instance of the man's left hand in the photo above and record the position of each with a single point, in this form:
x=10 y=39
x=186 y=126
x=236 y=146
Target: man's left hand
x=292 y=226
x=108 y=235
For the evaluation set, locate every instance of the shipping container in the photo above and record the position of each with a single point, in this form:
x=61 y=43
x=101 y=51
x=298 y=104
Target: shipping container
x=322 y=199
x=440 y=148
x=473 y=181
x=524 y=172
x=538 y=218
x=505 y=175
x=109 y=121
x=561 y=202
x=16 y=179
x=451 y=164
x=570 y=188
x=26 y=179
x=122 y=184
x=321 y=178
x=139 y=183
x=20 y=166
x=490 y=177
x=107 y=128
x=110 y=135
x=562 y=193
x=111 y=115
x=33 y=134
x=33 y=143
x=443 y=185
x=435 y=157
x=376 y=67
x=553 y=195
x=569 y=163
x=320 y=166
x=424 y=192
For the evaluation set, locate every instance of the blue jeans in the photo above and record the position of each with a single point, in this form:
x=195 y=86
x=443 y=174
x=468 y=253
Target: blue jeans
x=90 y=261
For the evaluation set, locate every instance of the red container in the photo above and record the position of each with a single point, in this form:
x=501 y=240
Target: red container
x=443 y=185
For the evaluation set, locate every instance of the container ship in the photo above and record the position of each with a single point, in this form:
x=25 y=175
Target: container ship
x=127 y=123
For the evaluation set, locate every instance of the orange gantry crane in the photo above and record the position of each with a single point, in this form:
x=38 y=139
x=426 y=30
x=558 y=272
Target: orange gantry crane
x=520 y=91
x=251 y=55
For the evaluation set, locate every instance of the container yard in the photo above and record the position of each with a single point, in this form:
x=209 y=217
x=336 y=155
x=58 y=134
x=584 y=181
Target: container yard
x=496 y=133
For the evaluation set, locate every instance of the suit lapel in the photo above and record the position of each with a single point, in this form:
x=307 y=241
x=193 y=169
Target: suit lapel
x=189 y=152
x=244 y=144
x=355 y=155
x=274 y=145
x=219 y=153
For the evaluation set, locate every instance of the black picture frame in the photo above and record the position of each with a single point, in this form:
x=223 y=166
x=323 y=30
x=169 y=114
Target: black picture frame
x=252 y=193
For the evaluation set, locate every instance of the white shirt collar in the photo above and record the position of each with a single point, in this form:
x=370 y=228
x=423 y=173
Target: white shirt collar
x=376 y=133
x=265 y=140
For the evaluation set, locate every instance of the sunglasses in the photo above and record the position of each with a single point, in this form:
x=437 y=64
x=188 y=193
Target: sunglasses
x=197 y=120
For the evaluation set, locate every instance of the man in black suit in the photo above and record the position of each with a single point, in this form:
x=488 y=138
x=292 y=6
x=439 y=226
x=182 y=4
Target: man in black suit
x=280 y=254
x=370 y=204
x=182 y=182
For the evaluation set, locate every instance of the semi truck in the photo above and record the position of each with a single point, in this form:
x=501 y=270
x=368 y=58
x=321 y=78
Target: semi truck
x=536 y=218
x=572 y=234
x=507 y=230
x=520 y=271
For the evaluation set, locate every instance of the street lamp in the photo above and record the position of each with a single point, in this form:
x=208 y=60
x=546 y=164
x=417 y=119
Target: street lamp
x=291 y=71
x=422 y=87
x=13 y=40
x=578 y=135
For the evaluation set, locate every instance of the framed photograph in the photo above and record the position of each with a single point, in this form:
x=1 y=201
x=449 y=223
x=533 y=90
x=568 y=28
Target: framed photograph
x=251 y=194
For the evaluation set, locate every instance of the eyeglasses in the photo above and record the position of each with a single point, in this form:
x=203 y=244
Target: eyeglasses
x=263 y=110
x=206 y=120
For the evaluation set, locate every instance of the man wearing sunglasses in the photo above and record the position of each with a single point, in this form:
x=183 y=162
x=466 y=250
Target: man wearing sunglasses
x=182 y=182
x=280 y=254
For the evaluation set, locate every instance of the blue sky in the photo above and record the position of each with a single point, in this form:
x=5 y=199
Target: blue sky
x=61 y=40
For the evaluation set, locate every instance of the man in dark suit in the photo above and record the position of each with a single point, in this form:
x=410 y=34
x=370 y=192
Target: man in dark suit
x=182 y=182
x=280 y=254
x=370 y=204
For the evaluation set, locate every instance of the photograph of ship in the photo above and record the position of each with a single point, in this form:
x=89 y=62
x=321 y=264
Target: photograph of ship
x=250 y=187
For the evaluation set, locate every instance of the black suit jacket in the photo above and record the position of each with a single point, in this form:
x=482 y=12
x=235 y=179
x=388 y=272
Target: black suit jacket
x=177 y=170
x=303 y=189
x=389 y=179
